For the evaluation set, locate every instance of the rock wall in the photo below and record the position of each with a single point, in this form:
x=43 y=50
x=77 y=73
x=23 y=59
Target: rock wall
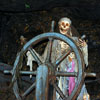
x=83 y=8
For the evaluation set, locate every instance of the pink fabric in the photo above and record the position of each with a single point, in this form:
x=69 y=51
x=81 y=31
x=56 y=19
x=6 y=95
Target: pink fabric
x=71 y=79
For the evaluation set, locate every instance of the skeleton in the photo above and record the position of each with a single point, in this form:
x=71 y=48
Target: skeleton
x=60 y=47
x=64 y=28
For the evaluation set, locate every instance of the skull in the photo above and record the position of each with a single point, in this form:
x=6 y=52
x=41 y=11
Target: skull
x=64 y=25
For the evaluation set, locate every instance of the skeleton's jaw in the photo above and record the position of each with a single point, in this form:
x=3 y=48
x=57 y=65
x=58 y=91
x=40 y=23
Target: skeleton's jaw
x=63 y=31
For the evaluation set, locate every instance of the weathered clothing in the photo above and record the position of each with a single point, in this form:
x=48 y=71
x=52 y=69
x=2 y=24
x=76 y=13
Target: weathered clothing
x=67 y=84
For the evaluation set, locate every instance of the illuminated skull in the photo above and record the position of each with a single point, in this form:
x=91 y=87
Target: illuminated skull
x=64 y=25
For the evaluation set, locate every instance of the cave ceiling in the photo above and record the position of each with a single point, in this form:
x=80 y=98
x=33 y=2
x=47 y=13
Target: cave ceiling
x=84 y=7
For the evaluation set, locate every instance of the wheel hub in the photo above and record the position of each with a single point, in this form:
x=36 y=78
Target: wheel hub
x=51 y=72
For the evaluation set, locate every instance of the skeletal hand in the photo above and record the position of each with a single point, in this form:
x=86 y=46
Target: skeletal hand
x=81 y=43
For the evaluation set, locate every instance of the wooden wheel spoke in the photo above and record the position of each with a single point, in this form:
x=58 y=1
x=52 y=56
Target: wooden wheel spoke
x=59 y=60
x=59 y=91
x=35 y=56
x=28 y=72
x=66 y=74
x=49 y=51
x=29 y=89
x=21 y=72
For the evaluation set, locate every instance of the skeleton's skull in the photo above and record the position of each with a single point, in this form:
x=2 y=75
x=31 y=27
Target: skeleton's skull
x=64 y=25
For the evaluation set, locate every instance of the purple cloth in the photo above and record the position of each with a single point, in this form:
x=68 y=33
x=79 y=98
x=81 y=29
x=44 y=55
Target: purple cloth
x=71 y=84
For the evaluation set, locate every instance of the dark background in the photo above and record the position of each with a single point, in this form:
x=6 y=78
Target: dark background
x=32 y=17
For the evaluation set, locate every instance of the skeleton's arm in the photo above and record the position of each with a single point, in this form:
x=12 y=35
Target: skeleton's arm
x=85 y=53
x=84 y=48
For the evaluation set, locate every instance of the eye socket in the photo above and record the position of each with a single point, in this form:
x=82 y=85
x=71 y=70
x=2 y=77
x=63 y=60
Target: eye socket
x=62 y=23
x=67 y=24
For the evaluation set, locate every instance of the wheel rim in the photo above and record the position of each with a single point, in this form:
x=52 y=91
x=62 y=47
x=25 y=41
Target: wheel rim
x=39 y=38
